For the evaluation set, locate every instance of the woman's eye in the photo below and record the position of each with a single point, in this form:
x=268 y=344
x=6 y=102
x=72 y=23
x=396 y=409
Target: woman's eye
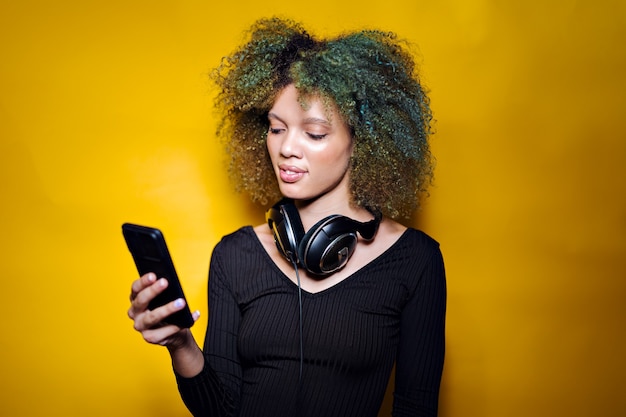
x=275 y=130
x=317 y=136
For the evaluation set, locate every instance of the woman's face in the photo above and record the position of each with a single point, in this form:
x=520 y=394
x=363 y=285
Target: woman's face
x=310 y=148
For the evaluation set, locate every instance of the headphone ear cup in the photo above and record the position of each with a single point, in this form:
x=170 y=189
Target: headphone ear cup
x=328 y=245
x=284 y=220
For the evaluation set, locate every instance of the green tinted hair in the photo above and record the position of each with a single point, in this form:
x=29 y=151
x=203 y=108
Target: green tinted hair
x=371 y=78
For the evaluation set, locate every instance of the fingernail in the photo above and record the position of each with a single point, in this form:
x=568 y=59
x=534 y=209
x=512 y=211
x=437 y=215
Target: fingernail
x=151 y=277
x=196 y=315
x=179 y=303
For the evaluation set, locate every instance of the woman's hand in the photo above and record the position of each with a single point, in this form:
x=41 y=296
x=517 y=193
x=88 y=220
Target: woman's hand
x=150 y=322
x=187 y=358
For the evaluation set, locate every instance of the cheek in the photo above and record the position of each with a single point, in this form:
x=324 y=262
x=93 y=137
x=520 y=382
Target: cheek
x=340 y=156
x=271 y=146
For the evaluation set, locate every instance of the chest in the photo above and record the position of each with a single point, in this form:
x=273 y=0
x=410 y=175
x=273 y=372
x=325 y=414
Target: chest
x=353 y=325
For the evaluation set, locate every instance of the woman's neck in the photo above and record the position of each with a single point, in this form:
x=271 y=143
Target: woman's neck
x=312 y=211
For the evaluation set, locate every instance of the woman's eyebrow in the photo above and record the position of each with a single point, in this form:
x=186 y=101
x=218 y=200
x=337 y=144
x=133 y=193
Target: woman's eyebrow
x=271 y=115
x=308 y=120
x=316 y=120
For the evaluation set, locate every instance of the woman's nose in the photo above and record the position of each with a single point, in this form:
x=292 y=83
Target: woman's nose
x=290 y=145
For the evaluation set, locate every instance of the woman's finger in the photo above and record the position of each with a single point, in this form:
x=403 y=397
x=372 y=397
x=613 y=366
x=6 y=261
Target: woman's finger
x=160 y=335
x=140 y=300
x=140 y=284
x=147 y=294
x=151 y=319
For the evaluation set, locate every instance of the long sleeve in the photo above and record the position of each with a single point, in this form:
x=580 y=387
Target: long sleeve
x=215 y=391
x=422 y=344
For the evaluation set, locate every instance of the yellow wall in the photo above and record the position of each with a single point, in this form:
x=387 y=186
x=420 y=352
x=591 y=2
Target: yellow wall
x=105 y=117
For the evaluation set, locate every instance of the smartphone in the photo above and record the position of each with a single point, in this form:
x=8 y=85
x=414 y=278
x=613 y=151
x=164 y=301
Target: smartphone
x=150 y=253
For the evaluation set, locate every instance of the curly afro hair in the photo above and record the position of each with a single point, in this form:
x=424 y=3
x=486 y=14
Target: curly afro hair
x=371 y=79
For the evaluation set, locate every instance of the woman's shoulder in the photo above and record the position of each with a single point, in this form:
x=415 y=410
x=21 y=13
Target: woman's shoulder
x=237 y=249
x=242 y=237
x=396 y=234
x=421 y=238
x=415 y=257
x=416 y=245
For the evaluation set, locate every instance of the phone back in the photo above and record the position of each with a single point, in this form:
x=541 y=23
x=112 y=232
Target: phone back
x=150 y=253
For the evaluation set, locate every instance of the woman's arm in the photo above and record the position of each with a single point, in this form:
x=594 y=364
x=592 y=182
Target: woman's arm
x=187 y=358
x=214 y=391
x=419 y=363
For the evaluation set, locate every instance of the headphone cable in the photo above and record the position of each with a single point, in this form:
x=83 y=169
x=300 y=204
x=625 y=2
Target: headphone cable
x=295 y=265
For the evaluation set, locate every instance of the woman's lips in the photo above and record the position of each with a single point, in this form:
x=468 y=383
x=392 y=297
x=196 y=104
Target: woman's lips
x=290 y=173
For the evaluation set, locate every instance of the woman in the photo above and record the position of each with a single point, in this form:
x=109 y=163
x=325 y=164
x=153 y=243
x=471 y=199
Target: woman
x=309 y=313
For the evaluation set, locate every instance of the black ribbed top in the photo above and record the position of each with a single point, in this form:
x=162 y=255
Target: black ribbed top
x=391 y=310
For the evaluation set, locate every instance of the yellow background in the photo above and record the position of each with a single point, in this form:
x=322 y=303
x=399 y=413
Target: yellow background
x=105 y=117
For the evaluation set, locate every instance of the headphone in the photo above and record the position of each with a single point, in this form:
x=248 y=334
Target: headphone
x=326 y=247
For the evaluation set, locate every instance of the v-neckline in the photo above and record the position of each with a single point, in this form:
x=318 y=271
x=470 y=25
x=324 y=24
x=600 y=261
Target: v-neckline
x=349 y=277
